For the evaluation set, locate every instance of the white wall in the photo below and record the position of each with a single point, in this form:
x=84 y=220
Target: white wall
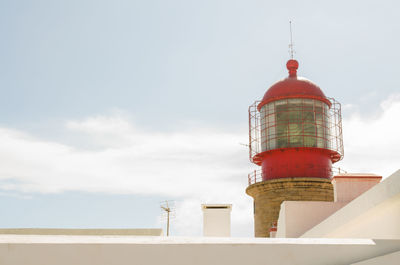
x=297 y=217
x=392 y=258
x=374 y=214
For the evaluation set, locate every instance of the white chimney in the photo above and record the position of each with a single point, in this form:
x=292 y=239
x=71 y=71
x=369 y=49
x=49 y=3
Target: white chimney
x=217 y=220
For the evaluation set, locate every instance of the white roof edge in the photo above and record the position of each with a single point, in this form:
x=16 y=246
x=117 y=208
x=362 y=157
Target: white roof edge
x=32 y=239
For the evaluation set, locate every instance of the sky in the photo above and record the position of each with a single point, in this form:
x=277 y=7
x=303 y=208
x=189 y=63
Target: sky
x=108 y=108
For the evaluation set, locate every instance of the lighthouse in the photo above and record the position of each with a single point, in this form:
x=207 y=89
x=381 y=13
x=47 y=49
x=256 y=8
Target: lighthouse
x=295 y=135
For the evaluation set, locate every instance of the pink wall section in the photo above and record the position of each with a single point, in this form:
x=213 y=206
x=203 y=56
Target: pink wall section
x=349 y=186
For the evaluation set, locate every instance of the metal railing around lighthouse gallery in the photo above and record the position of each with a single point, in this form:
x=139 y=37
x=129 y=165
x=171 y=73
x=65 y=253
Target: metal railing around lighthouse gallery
x=256 y=176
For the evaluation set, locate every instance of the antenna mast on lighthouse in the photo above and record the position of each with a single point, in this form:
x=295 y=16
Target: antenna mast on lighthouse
x=291 y=51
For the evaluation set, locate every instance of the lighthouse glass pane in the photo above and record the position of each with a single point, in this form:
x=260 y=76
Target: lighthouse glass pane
x=326 y=130
x=264 y=127
x=319 y=121
x=271 y=135
x=294 y=123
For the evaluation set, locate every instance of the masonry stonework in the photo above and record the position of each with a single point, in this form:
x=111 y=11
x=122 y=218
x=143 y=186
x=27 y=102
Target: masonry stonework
x=269 y=194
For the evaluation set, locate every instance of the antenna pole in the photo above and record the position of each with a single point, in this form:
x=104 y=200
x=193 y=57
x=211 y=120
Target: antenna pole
x=168 y=211
x=291 y=41
x=167 y=208
x=168 y=223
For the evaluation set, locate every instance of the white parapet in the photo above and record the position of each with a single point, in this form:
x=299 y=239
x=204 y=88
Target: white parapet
x=373 y=214
x=217 y=220
x=127 y=250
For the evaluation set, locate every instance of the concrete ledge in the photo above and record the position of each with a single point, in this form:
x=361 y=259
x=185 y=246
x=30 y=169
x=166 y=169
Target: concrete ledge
x=89 y=232
x=105 y=250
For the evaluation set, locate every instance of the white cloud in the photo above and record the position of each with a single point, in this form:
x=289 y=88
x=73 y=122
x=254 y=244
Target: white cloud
x=372 y=143
x=129 y=160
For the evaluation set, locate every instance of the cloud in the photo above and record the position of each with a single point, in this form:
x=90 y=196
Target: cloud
x=126 y=160
x=372 y=142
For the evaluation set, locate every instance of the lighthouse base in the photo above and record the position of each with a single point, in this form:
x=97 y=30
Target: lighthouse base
x=269 y=194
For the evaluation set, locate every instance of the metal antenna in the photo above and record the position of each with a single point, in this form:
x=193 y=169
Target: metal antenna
x=291 y=51
x=168 y=210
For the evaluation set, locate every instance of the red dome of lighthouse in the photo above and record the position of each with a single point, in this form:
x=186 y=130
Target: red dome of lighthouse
x=295 y=130
x=293 y=87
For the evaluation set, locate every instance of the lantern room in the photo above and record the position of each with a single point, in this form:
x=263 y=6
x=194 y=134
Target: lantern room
x=295 y=130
